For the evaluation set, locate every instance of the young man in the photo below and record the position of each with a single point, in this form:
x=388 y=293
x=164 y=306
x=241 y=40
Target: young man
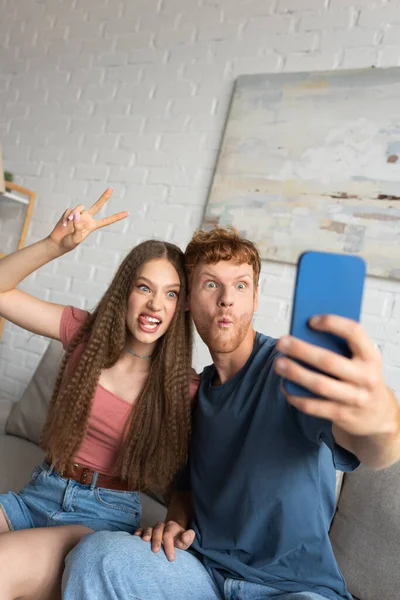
x=262 y=465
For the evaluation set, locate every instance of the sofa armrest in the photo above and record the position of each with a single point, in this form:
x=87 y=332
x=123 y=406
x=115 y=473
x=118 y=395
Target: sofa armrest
x=5 y=407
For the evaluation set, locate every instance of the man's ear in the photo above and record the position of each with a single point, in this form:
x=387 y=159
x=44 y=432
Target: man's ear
x=256 y=299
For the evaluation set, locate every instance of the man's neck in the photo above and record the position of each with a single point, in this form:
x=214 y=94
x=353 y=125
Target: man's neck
x=227 y=364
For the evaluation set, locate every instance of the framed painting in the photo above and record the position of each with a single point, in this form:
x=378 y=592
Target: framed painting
x=311 y=161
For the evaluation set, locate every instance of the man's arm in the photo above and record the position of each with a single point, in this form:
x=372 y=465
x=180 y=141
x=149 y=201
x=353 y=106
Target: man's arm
x=375 y=451
x=365 y=414
x=180 y=508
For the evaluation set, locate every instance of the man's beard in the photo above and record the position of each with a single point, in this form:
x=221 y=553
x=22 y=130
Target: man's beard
x=223 y=341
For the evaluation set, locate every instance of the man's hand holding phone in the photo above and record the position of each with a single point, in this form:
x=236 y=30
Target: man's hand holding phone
x=351 y=392
x=331 y=368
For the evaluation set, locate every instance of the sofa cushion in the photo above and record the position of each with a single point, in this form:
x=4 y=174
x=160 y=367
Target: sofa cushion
x=365 y=533
x=27 y=416
x=18 y=458
x=152 y=511
x=5 y=407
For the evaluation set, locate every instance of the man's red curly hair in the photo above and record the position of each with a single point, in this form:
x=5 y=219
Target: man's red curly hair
x=219 y=244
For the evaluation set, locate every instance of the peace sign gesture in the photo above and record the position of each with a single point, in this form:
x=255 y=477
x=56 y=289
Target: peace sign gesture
x=77 y=223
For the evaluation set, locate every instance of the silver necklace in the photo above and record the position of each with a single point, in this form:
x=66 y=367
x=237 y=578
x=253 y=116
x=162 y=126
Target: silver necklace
x=138 y=355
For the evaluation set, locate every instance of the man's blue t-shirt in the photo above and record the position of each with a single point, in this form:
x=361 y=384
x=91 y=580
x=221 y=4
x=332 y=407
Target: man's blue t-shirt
x=263 y=481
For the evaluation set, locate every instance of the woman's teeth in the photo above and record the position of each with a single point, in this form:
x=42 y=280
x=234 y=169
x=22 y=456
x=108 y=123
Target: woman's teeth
x=149 y=322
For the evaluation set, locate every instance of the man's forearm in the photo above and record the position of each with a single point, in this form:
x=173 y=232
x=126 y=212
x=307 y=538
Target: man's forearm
x=180 y=508
x=375 y=451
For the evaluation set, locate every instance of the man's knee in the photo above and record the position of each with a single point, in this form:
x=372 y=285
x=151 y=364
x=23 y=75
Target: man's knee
x=119 y=565
x=113 y=551
x=93 y=549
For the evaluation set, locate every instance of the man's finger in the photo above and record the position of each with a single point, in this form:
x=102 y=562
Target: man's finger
x=138 y=532
x=324 y=409
x=156 y=538
x=320 y=384
x=324 y=360
x=147 y=534
x=100 y=202
x=171 y=532
x=110 y=220
x=185 y=540
x=354 y=334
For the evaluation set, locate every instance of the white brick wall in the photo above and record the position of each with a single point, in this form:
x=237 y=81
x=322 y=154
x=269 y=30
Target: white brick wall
x=135 y=95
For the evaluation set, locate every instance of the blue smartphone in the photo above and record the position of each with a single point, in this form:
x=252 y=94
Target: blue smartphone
x=326 y=283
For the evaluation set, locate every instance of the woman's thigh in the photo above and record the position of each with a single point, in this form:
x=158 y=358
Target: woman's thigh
x=32 y=561
x=4 y=524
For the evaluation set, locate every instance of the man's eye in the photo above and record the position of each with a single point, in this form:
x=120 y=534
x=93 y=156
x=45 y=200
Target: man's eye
x=211 y=284
x=241 y=286
x=143 y=288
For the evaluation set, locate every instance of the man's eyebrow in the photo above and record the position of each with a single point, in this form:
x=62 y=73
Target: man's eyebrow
x=208 y=274
x=170 y=285
x=244 y=276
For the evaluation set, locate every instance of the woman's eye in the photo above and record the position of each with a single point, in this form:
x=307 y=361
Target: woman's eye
x=172 y=294
x=210 y=284
x=143 y=288
x=241 y=286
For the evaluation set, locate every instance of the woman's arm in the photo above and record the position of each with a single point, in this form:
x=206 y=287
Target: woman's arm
x=24 y=310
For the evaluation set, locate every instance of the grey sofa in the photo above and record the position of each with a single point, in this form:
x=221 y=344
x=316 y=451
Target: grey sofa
x=365 y=532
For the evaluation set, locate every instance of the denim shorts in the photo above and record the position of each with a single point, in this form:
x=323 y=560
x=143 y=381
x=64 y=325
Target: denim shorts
x=49 y=500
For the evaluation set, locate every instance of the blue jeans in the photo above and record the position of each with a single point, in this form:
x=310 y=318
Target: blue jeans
x=50 y=500
x=117 y=566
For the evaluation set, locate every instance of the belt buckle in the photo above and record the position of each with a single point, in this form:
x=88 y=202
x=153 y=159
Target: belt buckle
x=84 y=476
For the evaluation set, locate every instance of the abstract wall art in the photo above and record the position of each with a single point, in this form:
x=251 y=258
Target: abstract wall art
x=312 y=161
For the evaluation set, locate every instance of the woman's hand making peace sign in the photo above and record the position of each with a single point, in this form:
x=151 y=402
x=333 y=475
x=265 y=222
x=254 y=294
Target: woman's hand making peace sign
x=77 y=223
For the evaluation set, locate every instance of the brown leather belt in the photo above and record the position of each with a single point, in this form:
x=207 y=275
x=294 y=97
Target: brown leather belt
x=85 y=475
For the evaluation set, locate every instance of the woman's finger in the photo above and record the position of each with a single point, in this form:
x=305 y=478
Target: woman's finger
x=76 y=213
x=100 y=202
x=65 y=216
x=110 y=220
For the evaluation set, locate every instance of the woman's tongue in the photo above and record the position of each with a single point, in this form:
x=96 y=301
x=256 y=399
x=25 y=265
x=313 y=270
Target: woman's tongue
x=148 y=323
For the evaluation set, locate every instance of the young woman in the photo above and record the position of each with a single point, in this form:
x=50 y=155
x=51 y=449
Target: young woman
x=119 y=419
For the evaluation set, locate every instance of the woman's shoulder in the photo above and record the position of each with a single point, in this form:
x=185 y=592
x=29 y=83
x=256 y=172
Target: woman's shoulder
x=72 y=320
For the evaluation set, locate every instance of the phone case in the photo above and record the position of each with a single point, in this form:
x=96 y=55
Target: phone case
x=326 y=283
